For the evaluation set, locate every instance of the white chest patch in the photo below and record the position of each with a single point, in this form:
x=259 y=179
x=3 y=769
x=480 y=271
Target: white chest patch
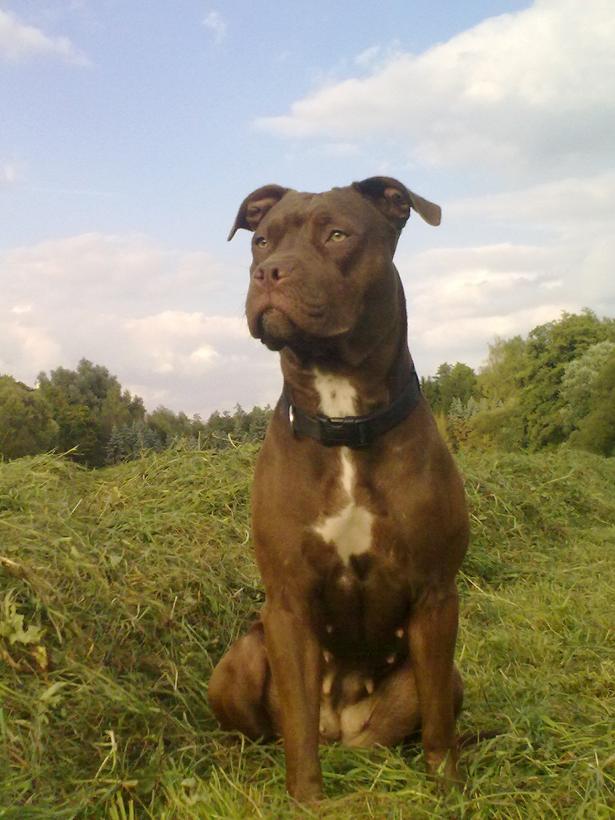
x=337 y=396
x=349 y=529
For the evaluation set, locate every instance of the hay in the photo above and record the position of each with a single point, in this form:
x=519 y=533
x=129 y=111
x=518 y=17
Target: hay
x=120 y=588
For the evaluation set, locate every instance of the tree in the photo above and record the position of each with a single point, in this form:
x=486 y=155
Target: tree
x=26 y=423
x=499 y=379
x=597 y=429
x=429 y=388
x=119 y=407
x=451 y=382
x=241 y=424
x=170 y=426
x=86 y=404
x=501 y=427
x=549 y=348
x=129 y=441
x=218 y=428
x=259 y=421
x=577 y=391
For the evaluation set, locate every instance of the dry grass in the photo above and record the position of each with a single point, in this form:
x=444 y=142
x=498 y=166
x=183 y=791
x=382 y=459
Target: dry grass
x=119 y=589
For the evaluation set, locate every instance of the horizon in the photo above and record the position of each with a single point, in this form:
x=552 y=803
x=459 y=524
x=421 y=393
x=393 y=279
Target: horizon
x=431 y=377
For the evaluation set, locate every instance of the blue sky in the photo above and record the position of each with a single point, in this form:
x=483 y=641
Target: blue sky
x=130 y=132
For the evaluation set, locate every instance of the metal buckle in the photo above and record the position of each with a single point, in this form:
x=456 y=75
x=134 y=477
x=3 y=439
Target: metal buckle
x=343 y=431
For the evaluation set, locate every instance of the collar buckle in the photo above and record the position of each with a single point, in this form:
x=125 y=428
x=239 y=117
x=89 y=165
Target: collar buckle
x=350 y=431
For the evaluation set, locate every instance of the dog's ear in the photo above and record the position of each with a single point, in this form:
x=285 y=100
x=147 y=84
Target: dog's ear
x=394 y=200
x=255 y=206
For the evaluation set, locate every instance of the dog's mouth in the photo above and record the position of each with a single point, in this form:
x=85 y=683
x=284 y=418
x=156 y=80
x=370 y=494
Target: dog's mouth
x=301 y=322
x=275 y=329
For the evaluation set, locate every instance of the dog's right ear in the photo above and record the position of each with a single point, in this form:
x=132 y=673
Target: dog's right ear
x=394 y=200
x=255 y=206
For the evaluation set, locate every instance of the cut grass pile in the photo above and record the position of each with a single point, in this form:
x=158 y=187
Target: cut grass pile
x=119 y=590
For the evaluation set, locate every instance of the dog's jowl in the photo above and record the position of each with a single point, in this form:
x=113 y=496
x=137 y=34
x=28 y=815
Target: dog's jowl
x=358 y=513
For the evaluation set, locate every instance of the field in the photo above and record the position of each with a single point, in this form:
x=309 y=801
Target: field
x=120 y=588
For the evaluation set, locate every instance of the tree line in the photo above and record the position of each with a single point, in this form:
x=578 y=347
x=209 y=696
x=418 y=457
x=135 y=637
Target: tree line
x=556 y=385
x=86 y=414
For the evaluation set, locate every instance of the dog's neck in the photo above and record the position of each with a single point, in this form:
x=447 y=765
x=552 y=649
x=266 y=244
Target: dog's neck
x=356 y=374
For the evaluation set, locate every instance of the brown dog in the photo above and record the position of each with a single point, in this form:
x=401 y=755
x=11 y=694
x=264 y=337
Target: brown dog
x=358 y=513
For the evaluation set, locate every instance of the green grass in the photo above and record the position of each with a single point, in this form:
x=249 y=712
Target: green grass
x=119 y=590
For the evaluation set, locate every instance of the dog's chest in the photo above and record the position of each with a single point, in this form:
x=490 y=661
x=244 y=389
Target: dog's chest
x=349 y=527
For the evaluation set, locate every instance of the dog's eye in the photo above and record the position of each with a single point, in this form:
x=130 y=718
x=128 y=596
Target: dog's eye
x=337 y=236
x=260 y=241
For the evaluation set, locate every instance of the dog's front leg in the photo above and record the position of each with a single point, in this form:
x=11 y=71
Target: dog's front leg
x=432 y=632
x=295 y=659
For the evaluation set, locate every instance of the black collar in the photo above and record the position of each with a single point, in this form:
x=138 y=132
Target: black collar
x=354 y=431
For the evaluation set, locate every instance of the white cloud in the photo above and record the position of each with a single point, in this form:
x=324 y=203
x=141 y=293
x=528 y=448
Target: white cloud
x=154 y=316
x=204 y=354
x=184 y=343
x=216 y=24
x=460 y=298
x=529 y=90
x=159 y=318
x=26 y=348
x=560 y=205
x=466 y=339
x=19 y=41
x=478 y=283
x=368 y=56
x=8 y=174
x=127 y=271
x=204 y=361
x=339 y=149
x=171 y=322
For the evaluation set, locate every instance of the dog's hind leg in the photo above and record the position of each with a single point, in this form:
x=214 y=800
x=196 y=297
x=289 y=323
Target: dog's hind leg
x=391 y=713
x=238 y=690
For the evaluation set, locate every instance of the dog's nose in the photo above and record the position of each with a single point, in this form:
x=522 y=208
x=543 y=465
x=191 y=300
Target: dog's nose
x=270 y=275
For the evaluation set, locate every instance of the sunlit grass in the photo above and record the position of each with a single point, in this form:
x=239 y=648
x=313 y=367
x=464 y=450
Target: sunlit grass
x=119 y=590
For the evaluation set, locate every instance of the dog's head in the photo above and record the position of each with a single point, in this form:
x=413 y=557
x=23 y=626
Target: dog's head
x=319 y=259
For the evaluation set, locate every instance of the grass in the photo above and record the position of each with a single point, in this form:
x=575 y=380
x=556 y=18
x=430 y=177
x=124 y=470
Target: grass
x=120 y=589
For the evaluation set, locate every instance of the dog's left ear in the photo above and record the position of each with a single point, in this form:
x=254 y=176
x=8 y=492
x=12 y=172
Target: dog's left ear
x=394 y=200
x=255 y=206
